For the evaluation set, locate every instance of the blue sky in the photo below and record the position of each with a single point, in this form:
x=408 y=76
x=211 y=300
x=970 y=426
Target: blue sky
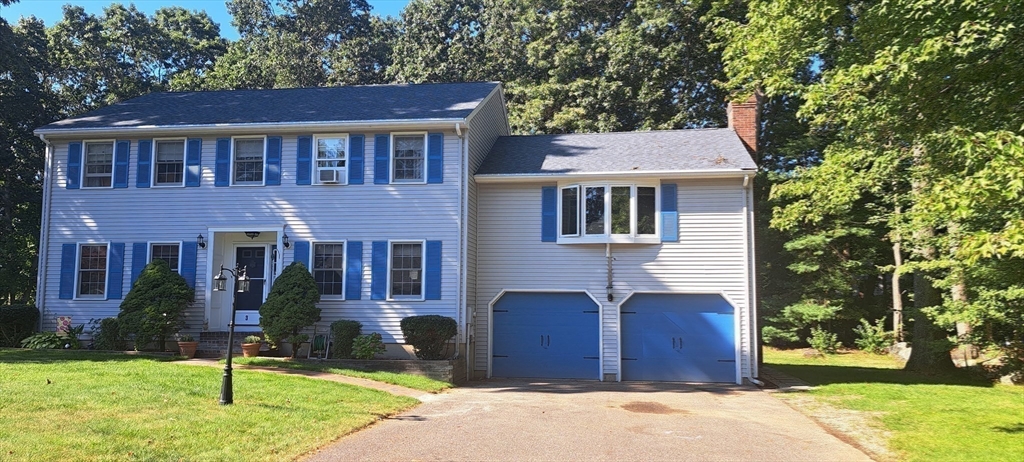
x=50 y=10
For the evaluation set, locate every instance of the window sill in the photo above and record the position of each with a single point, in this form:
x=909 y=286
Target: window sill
x=406 y=299
x=609 y=239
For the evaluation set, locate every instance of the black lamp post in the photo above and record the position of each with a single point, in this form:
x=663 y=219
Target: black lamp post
x=227 y=395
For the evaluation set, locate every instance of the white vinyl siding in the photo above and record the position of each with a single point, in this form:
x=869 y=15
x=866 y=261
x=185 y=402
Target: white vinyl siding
x=709 y=257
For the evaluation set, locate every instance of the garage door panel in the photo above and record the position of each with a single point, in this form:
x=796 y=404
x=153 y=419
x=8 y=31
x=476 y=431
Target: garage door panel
x=678 y=337
x=547 y=335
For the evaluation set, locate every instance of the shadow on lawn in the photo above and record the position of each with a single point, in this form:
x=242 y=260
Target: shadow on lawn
x=826 y=375
x=22 y=356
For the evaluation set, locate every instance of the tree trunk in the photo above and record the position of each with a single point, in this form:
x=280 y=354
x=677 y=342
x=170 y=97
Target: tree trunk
x=897 y=293
x=929 y=350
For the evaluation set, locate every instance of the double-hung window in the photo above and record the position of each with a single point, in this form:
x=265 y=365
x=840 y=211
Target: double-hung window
x=329 y=268
x=99 y=165
x=405 y=272
x=170 y=163
x=409 y=158
x=331 y=159
x=608 y=212
x=248 y=159
x=92 y=271
x=170 y=253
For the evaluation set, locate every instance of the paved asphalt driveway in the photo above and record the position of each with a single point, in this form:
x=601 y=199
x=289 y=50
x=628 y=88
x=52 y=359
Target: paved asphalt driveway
x=576 y=420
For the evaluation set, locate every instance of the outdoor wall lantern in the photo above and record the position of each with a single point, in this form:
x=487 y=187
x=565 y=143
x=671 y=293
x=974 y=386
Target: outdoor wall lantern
x=201 y=241
x=241 y=285
x=284 y=240
x=252 y=234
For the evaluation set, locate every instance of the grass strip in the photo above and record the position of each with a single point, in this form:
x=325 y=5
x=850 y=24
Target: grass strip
x=416 y=382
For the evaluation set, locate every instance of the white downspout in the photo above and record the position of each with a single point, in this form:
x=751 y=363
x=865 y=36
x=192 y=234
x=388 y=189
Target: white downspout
x=748 y=214
x=461 y=297
x=44 y=233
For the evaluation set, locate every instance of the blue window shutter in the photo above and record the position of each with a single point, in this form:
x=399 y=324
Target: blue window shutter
x=354 y=270
x=144 y=168
x=300 y=252
x=74 y=179
x=273 y=164
x=549 y=212
x=121 y=162
x=68 y=255
x=193 y=162
x=222 y=175
x=435 y=158
x=188 y=262
x=669 y=213
x=379 y=271
x=381 y=159
x=115 y=278
x=432 y=279
x=140 y=250
x=356 y=165
x=303 y=160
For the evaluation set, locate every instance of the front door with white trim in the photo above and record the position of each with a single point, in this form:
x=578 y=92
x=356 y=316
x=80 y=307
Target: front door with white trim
x=254 y=259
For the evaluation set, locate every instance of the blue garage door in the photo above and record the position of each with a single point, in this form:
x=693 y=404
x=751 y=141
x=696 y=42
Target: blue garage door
x=678 y=338
x=549 y=335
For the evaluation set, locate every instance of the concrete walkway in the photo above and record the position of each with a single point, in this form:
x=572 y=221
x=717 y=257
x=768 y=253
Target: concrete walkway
x=579 y=420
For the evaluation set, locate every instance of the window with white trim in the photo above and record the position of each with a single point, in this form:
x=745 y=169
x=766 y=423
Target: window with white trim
x=247 y=159
x=99 y=165
x=170 y=253
x=409 y=158
x=92 y=271
x=405 y=270
x=331 y=159
x=329 y=268
x=169 y=157
x=608 y=212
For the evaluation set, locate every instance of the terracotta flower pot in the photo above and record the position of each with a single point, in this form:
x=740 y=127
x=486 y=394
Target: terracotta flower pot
x=188 y=349
x=251 y=350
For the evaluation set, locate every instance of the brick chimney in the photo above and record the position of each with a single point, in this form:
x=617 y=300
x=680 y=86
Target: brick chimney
x=745 y=120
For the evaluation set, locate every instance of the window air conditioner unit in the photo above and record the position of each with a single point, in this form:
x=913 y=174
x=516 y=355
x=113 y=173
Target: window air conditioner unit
x=329 y=176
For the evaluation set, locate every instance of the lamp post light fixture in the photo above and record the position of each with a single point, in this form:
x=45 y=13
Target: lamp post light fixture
x=286 y=241
x=201 y=241
x=241 y=285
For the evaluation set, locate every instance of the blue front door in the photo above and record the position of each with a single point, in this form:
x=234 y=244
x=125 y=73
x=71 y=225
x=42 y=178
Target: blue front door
x=254 y=260
x=546 y=335
x=678 y=338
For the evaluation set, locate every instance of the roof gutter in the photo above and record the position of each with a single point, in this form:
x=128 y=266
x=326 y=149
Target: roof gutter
x=533 y=177
x=255 y=127
x=44 y=231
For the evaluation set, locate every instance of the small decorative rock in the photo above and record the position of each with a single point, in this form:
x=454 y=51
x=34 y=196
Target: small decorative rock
x=900 y=350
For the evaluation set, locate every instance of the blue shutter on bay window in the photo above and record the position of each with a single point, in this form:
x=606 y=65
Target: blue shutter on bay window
x=115 y=278
x=356 y=165
x=188 y=262
x=74 y=179
x=304 y=160
x=669 y=213
x=432 y=279
x=300 y=252
x=379 y=271
x=68 y=255
x=144 y=167
x=354 y=270
x=193 y=162
x=435 y=158
x=222 y=173
x=140 y=251
x=273 y=175
x=121 y=163
x=381 y=159
x=549 y=212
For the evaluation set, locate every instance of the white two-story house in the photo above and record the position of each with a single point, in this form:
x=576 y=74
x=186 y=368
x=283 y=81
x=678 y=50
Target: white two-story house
x=623 y=256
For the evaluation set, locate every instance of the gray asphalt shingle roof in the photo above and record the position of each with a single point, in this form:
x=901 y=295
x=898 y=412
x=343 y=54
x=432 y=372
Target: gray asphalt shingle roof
x=652 y=151
x=328 y=104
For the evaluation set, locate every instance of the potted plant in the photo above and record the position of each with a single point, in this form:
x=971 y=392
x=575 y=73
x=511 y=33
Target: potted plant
x=251 y=346
x=187 y=345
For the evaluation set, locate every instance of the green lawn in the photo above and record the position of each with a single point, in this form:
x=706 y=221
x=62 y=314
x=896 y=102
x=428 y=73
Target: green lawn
x=59 y=405
x=416 y=382
x=931 y=418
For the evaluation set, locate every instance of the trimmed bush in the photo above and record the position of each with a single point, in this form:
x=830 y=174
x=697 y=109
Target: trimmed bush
x=107 y=335
x=291 y=304
x=154 y=310
x=429 y=335
x=343 y=332
x=17 y=322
